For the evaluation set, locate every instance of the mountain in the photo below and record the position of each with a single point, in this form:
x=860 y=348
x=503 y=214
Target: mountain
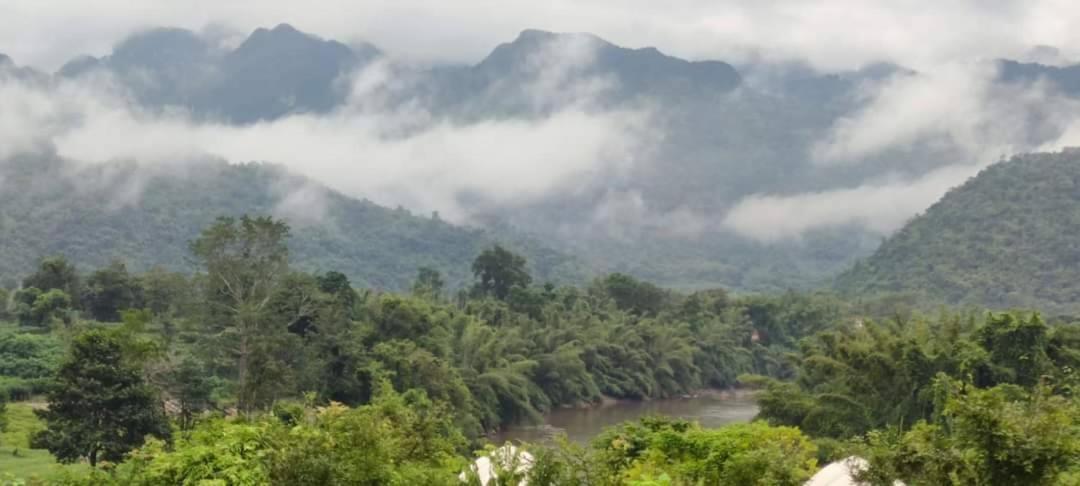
x=1065 y=78
x=8 y=69
x=718 y=134
x=146 y=215
x=280 y=71
x=274 y=72
x=539 y=70
x=714 y=135
x=1009 y=237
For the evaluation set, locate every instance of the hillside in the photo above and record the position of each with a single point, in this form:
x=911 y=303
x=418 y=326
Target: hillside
x=671 y=147
x=717 y=139
x=1008 y=237
x=146 y=216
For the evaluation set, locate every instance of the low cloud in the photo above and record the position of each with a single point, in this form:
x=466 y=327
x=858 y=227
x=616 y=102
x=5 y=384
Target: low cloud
x=393 y=156
x=880 y=207
x=302 y=203
x=958 y=114
x=626 y=215
x=959 y=106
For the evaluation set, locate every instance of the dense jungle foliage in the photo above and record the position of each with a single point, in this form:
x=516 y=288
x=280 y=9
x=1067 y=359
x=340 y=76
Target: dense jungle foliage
x=957 y=399
x=252 y=372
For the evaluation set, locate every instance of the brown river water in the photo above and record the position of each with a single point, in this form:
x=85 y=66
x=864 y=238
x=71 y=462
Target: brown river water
x=710 y=409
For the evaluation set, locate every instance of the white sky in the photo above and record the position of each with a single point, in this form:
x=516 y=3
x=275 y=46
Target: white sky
x=831 y=34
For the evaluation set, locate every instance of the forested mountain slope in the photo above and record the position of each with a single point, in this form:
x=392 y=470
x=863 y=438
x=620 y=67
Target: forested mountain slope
x=712 y=138
x=1008 y=237
x=674 y=147
x=145 y=215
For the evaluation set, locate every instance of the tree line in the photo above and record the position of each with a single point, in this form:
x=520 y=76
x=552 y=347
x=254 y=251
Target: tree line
x=248 y=332
x=249 y=372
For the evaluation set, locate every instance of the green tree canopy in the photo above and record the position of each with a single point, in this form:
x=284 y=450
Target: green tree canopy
x=245 y=261
x=108 y=291
x=101 y=408
x=497 y=270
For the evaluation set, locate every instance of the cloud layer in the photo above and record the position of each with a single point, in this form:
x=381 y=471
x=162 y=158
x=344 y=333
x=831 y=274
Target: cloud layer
x=406 y=155
x=400 y=156
x=957 y=112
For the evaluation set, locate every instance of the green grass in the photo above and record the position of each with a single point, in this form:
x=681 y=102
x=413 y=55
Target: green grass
x=21 y=424
x=29 y=463
x=32 y=463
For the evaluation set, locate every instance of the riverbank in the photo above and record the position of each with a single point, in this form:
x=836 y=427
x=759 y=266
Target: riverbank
x=714 y=393
x=710 y=407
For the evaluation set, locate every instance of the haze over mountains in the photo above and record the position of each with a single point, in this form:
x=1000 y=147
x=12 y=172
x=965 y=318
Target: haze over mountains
x=690 y=173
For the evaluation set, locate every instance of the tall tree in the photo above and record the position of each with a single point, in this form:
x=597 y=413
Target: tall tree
x=101 y=408
x=429 y=283
x=633 y=295
x=498 y=270
x=338 y=285
x=245 y=261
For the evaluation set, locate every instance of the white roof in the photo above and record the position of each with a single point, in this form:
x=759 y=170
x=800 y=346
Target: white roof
x=502 y=458
x=840 y=473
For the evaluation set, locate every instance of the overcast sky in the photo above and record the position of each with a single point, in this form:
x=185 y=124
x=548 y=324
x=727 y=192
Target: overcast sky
x=830 y=34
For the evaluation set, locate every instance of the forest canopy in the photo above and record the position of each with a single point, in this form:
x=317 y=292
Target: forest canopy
x=250 y=371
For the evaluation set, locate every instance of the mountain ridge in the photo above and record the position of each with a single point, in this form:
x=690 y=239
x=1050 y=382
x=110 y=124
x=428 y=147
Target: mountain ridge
x=717 y=135
x=93 y=214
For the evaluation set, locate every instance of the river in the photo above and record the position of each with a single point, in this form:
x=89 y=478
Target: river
x=710 y=409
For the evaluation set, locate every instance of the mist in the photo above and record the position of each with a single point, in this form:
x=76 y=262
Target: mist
x=958 y=111
x=405 y=153
x=401 y=155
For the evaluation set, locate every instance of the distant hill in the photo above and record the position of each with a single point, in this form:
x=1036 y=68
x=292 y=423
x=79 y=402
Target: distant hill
x=715 y=134
x=507 y=80
x=718 y=140
x=147 y=215
x=274 y=72
x=1009 y=237
x=1064 y=78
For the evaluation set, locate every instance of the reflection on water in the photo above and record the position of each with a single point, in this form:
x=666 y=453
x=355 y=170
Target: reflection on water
x=582 y=424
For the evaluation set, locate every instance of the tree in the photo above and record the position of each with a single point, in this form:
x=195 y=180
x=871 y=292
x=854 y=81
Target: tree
x=189 y=386
x=35 y=308
x=633 y=295
x=338 y=285
x=101 y=408
x=1002 y=435
x=245 y=260
x=1017 y=348
x=4 y=301
x=398 y=439
x=3 y=414
x=165 y=292
x=55 y=273
x=429 y=283
x=108 y=291
x=498 y=270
